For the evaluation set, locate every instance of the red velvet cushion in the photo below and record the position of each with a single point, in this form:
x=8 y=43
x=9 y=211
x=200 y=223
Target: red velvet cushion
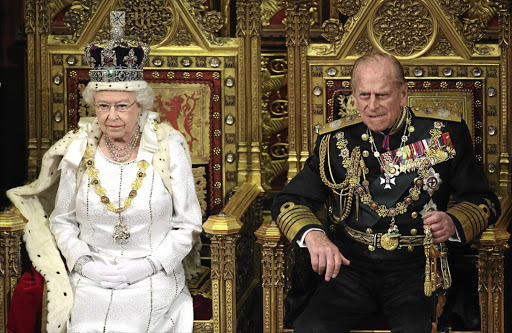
x=25 y=310
x=202 y=308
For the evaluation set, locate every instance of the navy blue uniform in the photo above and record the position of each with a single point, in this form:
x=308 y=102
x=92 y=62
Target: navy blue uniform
x=382 y=275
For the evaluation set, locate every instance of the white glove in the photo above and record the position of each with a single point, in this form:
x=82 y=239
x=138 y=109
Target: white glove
x=104 y=275
x=134 y=271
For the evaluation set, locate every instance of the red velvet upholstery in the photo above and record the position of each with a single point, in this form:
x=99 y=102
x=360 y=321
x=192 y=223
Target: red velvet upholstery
x=26 y=304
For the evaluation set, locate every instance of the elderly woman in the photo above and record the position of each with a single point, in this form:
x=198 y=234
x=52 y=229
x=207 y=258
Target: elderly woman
x=125 y=215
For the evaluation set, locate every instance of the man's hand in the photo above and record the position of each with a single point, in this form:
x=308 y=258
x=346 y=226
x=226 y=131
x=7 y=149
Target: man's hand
x=441 y=224
x=325 y=256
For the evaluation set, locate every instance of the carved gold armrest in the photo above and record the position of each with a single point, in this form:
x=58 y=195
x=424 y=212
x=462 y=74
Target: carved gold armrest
x=223 y=230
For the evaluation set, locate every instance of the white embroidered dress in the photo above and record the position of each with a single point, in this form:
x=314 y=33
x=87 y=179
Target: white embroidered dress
x=161 y=224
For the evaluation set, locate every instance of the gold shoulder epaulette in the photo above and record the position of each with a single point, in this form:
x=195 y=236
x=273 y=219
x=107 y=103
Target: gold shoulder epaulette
x=340 y=123
x=441 y=114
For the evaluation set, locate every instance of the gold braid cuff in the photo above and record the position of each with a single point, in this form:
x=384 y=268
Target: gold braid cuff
x=293 y=218
x=472 y=218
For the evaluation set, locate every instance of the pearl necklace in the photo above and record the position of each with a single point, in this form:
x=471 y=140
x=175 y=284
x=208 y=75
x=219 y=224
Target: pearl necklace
x=122 y=154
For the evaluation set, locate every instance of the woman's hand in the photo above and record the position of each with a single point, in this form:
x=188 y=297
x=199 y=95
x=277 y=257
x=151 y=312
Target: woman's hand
x=104 y=275
x=137 y=270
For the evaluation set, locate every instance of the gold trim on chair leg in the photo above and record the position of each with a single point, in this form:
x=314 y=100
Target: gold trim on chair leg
x=223 y=283
x=272 y=276
x=224 y=230
x=492 y=245
x=11 y=230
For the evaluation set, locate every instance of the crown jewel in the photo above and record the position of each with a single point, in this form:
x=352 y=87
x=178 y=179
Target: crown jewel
x=117 y=59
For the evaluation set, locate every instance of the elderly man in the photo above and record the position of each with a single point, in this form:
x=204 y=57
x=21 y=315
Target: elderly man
x=387 y=176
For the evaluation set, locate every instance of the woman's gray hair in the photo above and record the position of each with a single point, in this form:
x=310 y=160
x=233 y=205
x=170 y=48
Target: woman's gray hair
x=144 y=97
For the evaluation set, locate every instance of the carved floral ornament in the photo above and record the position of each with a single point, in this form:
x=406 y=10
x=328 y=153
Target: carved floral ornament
x=456 y=8
x=403 y=27
x=348 y=7
x=474 y=30
x=74 y=20
x=332 y=30
x=212 y=21
x=148 y=20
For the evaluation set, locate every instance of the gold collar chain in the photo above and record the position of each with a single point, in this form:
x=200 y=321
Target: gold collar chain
x=355 y=166
x=121 y=233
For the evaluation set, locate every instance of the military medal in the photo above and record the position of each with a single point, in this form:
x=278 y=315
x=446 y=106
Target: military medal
x=388 y=161
x=390 y=172
x=429 y=207
x=432 y=181
x=388 y=181
x=390 y=169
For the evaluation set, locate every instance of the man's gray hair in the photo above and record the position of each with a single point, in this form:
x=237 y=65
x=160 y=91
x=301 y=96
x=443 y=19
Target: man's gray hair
x=144 y=97
x=398 y=70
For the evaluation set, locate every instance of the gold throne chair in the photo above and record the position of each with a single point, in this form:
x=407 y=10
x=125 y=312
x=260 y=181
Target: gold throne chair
x=199 y=68
x=253 y=109
x=456 y=56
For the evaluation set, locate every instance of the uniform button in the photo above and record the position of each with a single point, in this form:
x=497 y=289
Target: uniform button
x=369 y=230
x=366 y=153
x=410 y=248
x=371 y=247
x=414 y=232
x=414 y=215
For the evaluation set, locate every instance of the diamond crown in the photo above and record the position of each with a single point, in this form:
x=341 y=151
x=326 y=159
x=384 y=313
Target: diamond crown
x=116 y=59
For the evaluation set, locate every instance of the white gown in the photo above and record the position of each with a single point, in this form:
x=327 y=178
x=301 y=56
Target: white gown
x=161 y=224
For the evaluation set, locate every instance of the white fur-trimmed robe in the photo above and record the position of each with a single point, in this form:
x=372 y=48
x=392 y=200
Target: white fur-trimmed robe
x=35 y=201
